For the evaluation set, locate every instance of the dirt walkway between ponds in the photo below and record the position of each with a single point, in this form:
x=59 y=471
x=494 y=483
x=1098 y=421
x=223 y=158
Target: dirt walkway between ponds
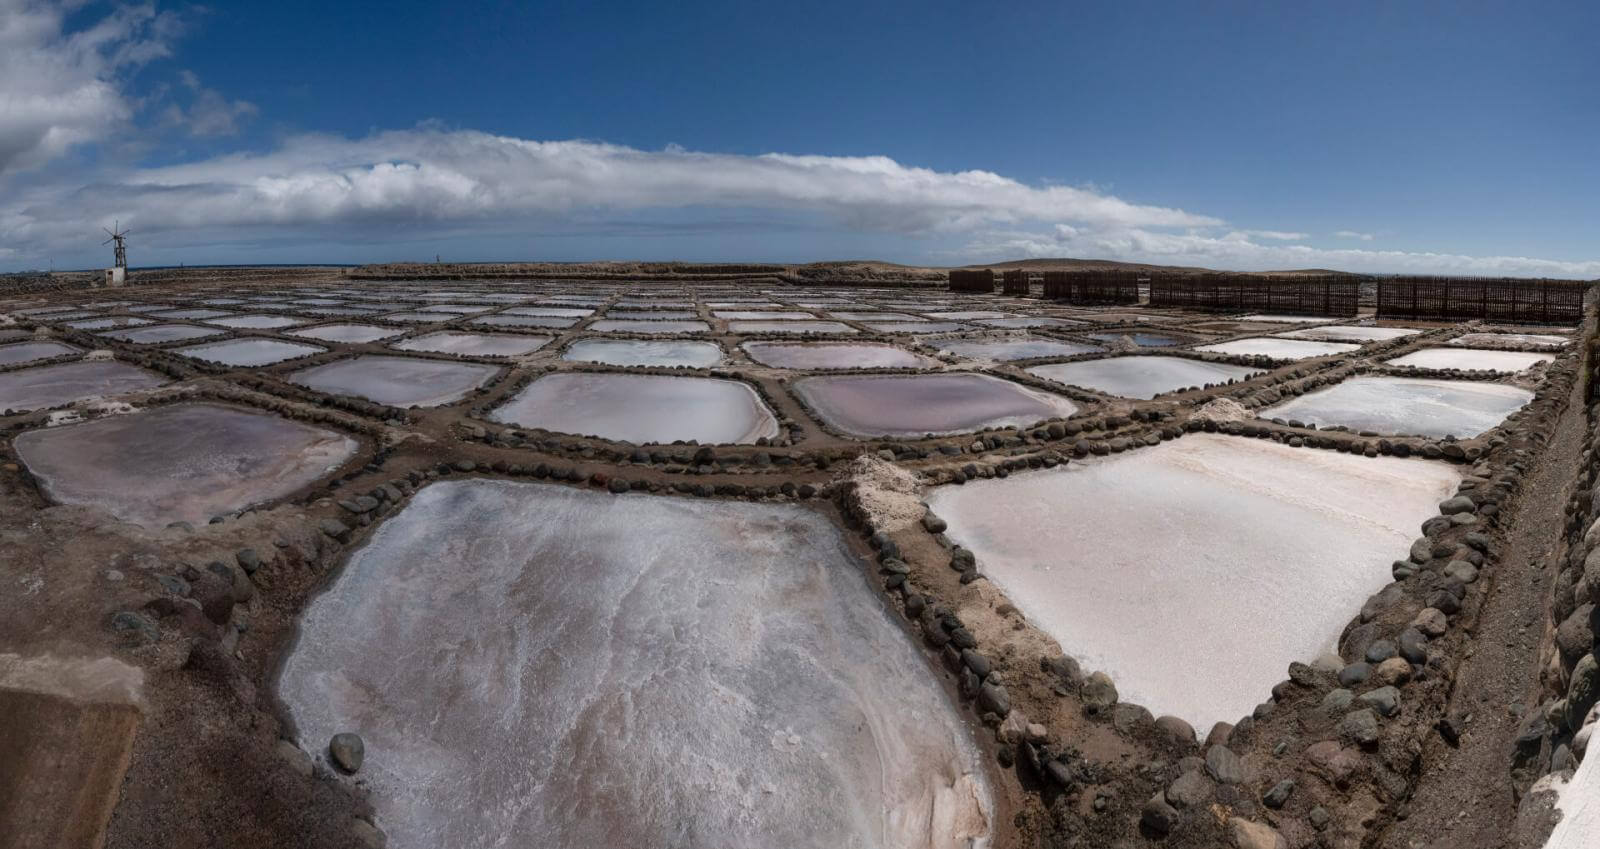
x=1464 y=797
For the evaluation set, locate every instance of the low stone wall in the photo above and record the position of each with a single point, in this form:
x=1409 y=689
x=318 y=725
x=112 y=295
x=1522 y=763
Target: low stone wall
x=1554 y=737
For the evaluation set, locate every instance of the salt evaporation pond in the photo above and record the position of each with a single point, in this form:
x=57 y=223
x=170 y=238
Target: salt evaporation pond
x=1195 y=571
x=550 y=322
x=917 y=327
x=550 y=312
x=249 y=352
x=1526 y=340
x=399 y=381
x=1346 y=333
x=642 y=408
x=1278 y=349
x=157 y=333
x=26 y=352
x=640 y=352
x=1396 y=405
x=789 y=327
x=1141 y=377
x=661 y=672
x=1476 y=359
x=1286 y=319
x=1143 y=340
x=183 y=462
x=623 y=325
x=52 y=386
x=825 y=355
x=257 y=322
x=474 y=344
x=1013 y=349
x=347 y=333
x=1025 y=321
x=913 y=405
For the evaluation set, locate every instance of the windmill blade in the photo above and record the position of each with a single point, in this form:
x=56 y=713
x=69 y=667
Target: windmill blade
x=109 y=241
x=109 y=233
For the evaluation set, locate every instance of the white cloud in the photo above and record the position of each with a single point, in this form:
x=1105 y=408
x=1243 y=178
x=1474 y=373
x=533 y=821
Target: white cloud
x=437 y=176
x=209 y=112
x=1351 y=234
x=1278 y=235
x=58 y=90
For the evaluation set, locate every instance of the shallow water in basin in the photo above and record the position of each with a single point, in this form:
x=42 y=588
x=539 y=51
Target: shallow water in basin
x=607 y=325
x=398 y=381
x=639 y=352
x=642 y=408
x=816 y=326
x=24 y=352
x=1141 y=377
x=257 y=322
x=1012 y=349
x=1281 y=349
x=550 y=312
x=912 y=405
x=358 y=333
x=1143 y=340
x=182 y=462
x=474 y=344
x=544 y=321
x=1472 y=358
x=660 y=672
x=1396 y=405
x=1026 y=321
x=66 y=383
x=1526 y=340
x=192 y=313
x=249 y=352
x=820 y=355
x=1287 y=319
x=1195 y=571
x=917 y=326
x=155 y=334
x=113 y=321
x=1341 y=333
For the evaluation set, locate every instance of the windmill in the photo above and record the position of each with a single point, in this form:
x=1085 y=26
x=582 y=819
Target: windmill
x=119 y=236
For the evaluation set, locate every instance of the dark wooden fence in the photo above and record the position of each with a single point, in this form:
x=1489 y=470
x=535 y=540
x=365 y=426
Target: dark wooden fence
x=1014 y=281
x=1093 y=287
x=1300 y=295
x=971 y=280
x=1503 y=300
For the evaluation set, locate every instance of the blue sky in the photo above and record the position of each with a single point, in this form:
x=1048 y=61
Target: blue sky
x=1402 y=137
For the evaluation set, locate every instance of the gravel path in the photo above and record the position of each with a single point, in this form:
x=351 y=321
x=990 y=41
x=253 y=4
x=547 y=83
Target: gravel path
x=1465 y=796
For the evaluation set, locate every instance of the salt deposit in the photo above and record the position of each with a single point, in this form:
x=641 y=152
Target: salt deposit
x=1472 y=359
x=51 y=386
x=401 y=381
x=1193 y=572
x=639 y=352
x=1347 y=333
x=1141 y=377
x=184 y=462
x=642 y=408
x=826 y=355
x=1436 y=408
x=473 y=344
x=659 y=672
x=912 y=405
x=1278 y=349
x=1012 y=349
x=249 y=352
x=1579 y=804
